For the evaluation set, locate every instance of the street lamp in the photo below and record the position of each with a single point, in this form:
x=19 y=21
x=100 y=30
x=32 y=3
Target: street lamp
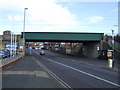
x=15 y=44
x=24 y=31
x=11 y=44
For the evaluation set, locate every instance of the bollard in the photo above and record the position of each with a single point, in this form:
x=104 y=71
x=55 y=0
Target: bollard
x=110 y=63
x=110 y=58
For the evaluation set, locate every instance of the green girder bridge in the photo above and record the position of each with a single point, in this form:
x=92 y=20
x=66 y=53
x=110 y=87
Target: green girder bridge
x=61 y=36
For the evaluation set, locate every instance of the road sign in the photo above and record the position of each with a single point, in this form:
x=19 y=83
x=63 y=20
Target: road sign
x=110 y=54
x=13 y=46
x=68 y=50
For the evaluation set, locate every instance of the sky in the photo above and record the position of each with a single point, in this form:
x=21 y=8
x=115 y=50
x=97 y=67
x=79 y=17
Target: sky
x=98 y=16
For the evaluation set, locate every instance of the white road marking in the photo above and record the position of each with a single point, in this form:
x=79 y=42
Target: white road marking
x=51 y=73
x=99 y=78
x=61 y=81
x=19 y=72
x=41 y=74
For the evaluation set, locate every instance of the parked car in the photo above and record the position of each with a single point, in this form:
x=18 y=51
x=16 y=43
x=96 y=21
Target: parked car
x=2 y=54
x=7 y=53
x=42 y=52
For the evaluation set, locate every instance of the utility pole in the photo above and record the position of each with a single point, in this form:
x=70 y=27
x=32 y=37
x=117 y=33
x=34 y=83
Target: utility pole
x=24 y=31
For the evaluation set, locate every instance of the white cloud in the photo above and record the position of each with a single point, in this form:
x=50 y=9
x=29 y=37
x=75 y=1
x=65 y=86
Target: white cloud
x=41 y=14
x=96 y=19
x=51 y=13
x=15 y=18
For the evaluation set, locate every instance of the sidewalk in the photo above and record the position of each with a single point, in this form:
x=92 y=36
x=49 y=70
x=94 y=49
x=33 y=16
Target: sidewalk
x=4 y=63
x=101 y=63
x=28 y=73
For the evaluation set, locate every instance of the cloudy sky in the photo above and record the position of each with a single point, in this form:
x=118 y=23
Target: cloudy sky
x=59 y=15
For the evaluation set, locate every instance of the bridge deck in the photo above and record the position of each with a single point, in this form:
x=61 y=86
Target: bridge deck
x=62 y=36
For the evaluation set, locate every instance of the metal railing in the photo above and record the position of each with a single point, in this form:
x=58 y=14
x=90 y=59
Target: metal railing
x=116 y=45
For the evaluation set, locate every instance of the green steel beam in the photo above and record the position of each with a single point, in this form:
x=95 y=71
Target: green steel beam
x=63 y=36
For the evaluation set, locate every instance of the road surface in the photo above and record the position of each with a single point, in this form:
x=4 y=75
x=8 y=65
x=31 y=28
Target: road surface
x=65 y=69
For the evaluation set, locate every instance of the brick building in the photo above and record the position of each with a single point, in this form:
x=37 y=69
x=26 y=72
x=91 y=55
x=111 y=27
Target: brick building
x=1 y=38
x=6 y=38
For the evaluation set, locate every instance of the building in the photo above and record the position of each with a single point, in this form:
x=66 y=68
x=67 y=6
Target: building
x=1 y=38
x=6 y=38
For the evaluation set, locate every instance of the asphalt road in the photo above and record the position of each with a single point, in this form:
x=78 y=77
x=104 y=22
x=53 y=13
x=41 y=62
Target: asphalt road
x=77 y=75
x=69 y=72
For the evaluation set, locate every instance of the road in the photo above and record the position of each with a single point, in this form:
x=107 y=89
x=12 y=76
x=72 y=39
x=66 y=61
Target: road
x=78 y=75
x=69 y=72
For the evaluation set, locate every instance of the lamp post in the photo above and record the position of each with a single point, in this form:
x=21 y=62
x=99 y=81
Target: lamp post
x=24 y=31
x=11 y=44
x=15 y=45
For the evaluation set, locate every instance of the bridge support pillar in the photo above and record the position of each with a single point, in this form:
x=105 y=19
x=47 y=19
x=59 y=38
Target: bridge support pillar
x=90 y=49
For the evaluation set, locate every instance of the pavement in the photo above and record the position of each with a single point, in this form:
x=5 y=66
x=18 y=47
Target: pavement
x=28 y=73
x=101 y=63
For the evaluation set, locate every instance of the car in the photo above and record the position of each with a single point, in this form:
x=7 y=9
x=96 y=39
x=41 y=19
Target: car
x=42 y=52
x=2 y=54
x=41 y=46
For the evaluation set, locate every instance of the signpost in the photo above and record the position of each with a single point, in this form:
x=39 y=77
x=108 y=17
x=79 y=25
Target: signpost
x=68 y=50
